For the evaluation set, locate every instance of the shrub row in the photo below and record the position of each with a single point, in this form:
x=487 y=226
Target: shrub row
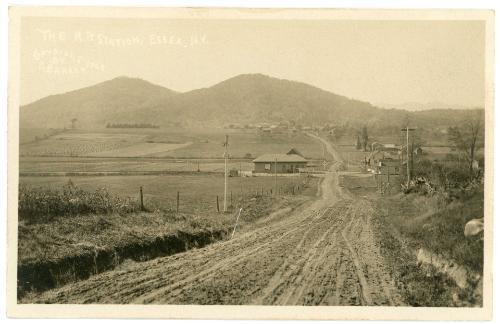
x=42 y=204
x=453 y=179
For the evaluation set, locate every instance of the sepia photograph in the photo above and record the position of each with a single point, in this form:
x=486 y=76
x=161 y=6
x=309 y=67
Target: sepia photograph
x=182 y=159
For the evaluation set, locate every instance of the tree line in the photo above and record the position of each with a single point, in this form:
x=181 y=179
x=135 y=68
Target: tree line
x=135 y=125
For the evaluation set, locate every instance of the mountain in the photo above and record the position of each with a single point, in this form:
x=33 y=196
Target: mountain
x=116 y=99
x=260 y=98
x=246 y=98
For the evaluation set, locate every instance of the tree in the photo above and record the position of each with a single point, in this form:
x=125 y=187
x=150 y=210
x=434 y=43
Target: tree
x=364 y=137
x=358 y=143
x=466 y=139
x=73 y=123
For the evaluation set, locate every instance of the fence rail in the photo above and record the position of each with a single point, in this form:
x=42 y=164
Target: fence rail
x=240 y=196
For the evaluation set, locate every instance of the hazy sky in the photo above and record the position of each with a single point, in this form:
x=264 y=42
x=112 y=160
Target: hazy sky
x=376 y=61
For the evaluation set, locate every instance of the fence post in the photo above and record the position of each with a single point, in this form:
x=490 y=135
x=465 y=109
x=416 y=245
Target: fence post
x=177 y=209
x=231 y=198
x=142 y=201
x=217 y=203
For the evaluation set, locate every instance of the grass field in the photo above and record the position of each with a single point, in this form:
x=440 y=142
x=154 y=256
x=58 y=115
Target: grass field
x=176 y=143
x=79 y=143
x=198 y=193
x=251 y=144
x=29 y=135
x=39 y=164
x=142 y=150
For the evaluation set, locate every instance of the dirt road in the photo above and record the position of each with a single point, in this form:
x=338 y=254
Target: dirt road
x=323 y=253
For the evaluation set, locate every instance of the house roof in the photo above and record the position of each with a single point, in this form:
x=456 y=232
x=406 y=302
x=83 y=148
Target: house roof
x=280 y=158
x=384 y=153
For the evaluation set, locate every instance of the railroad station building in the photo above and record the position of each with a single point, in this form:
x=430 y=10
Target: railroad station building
x=279 y=163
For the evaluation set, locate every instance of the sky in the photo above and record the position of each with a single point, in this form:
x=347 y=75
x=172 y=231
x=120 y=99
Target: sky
x=393 y=62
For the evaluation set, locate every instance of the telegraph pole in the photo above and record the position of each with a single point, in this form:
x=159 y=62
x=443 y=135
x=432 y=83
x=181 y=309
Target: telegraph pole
x=226 y=144
x=407 y=157
x=407 y=130
x=276 y=176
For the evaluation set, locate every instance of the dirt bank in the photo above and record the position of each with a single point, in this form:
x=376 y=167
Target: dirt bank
x=76 y=247
x=41 y=276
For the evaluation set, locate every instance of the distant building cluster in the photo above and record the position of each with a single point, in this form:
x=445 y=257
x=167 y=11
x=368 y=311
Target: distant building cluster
x=387 y=158
x=284 y=128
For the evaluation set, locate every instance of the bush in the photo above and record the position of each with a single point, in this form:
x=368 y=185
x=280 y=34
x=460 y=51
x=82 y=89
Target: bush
x=450 y=177
x=419 y=185
x=41 y=204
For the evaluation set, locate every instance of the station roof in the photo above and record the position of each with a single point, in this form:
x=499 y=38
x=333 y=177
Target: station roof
x=295 y=151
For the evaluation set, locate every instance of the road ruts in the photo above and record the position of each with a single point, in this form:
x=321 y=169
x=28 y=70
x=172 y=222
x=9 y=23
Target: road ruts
x=323 y=253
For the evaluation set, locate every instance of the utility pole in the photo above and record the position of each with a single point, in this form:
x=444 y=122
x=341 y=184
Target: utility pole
x=226 y=144
x=407 y=130
x=388 y=174
x=407 y=157
x=142 y=203
x=177 y=206
x=276 y=175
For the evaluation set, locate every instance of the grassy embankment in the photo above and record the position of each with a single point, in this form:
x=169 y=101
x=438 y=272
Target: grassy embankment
x=67 y=233
x=433 y=224
x=407 y=224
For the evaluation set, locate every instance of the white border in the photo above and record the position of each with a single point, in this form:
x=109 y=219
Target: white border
x=258 y=3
